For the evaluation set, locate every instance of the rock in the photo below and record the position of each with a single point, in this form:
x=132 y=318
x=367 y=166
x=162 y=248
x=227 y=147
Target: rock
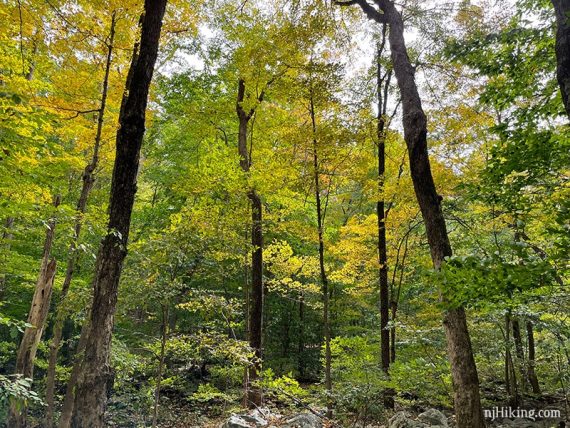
x=403 y=420
x=433 y=418
x=237 y=421
x=257 y=418
x=303 y=420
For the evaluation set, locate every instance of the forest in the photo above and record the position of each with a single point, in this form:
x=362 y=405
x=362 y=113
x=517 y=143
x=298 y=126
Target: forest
x=285 y=213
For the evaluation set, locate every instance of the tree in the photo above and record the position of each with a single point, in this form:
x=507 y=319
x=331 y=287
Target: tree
x=255 y=305
x=320 y=211
x=464 y=372
x=90 y=391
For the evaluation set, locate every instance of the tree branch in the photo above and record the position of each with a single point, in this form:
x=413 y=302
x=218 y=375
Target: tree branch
x=368 y=9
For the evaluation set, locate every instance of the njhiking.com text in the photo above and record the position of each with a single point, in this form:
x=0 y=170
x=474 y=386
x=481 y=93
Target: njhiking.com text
x=518 y=413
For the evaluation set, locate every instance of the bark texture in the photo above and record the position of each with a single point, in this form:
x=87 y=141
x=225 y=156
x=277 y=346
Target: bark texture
x=90 y=393
x=562 y=10
x=467 y=400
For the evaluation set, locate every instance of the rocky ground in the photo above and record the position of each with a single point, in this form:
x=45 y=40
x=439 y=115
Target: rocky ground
x=264 y=418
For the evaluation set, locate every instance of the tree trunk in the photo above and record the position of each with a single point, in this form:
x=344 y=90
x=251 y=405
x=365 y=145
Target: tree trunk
x=395 y=293
x=380 y=213
x=253 y=393
x=246 y=291
x=533 y=379
x=90 y=395
x=256 y=298
x=36 y=317
x=467 y=401
x=510 y=372
x=519 y=351
x=394 y=311
x=301 y=348
x=323 y=273
x=562 y=10
x=67 y=406
x=382 y=84
x=164 y=331
x=88 y=180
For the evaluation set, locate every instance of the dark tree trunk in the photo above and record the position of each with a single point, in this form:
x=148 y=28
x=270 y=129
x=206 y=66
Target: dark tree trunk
x=510 y=372
x=301 y=348
x=36 y=317
x=88 y=180
x=533 y=379
x=467 y=401
x=519 y=351
x=380 y=212
x=256 y=297
x=253 y=394
x=323 y=273
x=562 y=9
x=90 y=395
x=382 y=85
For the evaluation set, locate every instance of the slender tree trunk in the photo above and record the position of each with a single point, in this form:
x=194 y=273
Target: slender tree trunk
x=562 y=10
x=301 y=348
x=382 y=84
x=36 y=317
x=90 y=394
x=510 y=372
x=256 y=299
x=380 y=212
x=394 y=311
x=164 y=331
x=395 y=297
x=246 y=290
x=519 y=351
x=88 y=180
x=254 y=394
x=323 y=273
x=533 y=379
